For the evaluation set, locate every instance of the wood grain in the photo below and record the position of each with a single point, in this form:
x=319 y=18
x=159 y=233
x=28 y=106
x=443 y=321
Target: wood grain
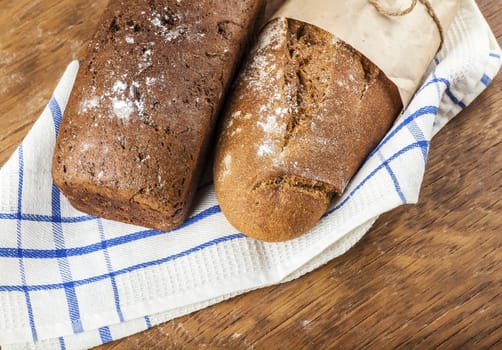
x=426 y=276
x=37 y=41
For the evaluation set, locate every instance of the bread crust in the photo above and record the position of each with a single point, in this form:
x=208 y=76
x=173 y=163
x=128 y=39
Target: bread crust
x=138 y=125
x=304 y=113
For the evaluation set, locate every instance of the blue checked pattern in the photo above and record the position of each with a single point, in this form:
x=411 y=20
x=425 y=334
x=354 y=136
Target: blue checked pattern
x=70 y=280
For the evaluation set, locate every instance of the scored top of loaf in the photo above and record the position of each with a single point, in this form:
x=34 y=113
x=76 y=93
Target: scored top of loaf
x=305 y=112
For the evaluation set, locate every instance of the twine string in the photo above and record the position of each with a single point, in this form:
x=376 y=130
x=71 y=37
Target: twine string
x=430 y=10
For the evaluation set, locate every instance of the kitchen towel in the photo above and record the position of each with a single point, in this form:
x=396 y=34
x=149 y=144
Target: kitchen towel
x=73 y=281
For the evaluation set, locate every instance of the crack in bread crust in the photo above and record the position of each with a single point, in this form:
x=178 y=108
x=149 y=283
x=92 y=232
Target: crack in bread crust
x=371 y=72
x=315 y=188
x=300 y=91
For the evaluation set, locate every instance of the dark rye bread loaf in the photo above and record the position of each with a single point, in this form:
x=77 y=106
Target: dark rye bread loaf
x=136 y=130
x=305 y=112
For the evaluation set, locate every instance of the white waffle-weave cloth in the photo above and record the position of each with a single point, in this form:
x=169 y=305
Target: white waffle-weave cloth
x=73 y=281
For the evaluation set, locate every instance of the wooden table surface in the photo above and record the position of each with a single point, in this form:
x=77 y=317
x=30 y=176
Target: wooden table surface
x=426 y=276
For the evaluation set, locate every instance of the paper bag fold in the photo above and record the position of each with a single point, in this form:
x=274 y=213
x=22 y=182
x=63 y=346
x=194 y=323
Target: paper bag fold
x=402 y=47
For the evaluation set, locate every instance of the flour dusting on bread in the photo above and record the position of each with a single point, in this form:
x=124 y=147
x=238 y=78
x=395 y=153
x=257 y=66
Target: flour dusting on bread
x=305 y=112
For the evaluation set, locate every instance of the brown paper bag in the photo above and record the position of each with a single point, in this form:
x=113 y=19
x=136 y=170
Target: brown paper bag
x=401 y=46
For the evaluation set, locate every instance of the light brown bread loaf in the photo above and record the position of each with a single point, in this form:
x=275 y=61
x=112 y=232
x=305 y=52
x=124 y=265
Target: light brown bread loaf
x=305 y=112
x=138 y=124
